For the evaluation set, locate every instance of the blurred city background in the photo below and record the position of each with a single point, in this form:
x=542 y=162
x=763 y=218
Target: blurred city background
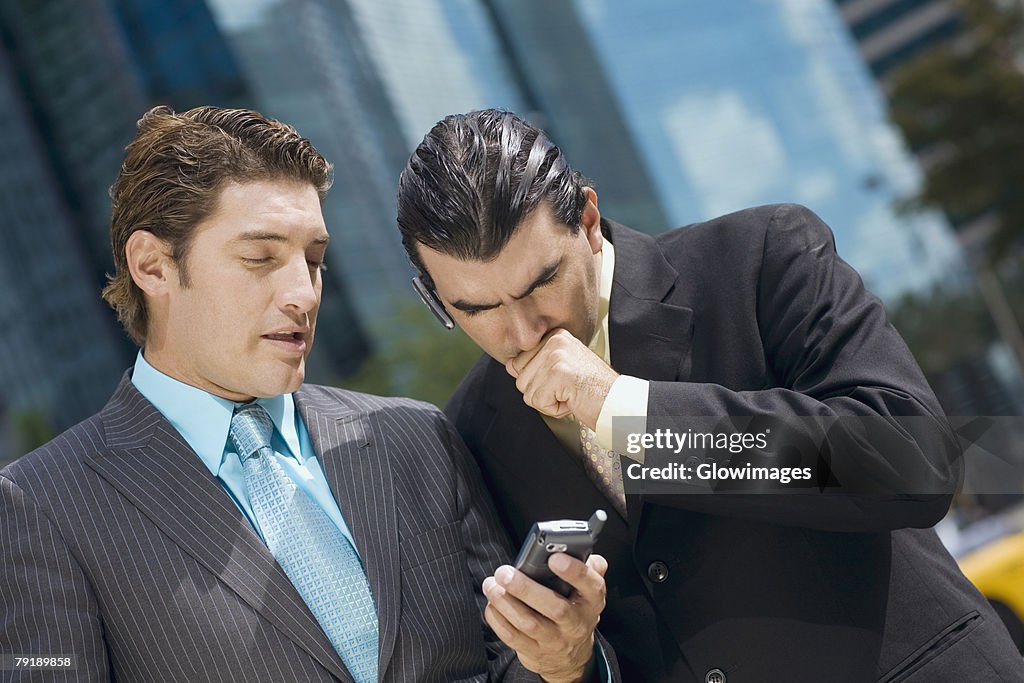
x=898 y=121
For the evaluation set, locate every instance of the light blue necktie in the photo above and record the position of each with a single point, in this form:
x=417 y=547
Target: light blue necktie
x=316 y=556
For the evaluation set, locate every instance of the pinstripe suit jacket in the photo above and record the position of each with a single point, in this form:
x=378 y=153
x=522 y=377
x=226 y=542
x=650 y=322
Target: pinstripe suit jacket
x=119 y=548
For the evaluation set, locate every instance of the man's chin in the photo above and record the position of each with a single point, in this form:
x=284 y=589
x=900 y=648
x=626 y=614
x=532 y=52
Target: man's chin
x=284 y=383
x=294 y=383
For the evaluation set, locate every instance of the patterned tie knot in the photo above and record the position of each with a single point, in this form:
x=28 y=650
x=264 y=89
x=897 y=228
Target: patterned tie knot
x=250 y=431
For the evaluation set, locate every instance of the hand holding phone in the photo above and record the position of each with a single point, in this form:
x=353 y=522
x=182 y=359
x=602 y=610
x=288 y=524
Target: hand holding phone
x=569 y=536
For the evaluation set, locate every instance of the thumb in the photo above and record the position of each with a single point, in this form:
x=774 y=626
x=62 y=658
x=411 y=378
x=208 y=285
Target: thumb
x=598 y=564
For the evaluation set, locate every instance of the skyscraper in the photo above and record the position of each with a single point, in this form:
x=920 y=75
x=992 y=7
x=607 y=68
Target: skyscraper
x=76 y=75
x=82 y=94
x=890 y=32
x=60 y=354
x=581 y=105
x=753 y=102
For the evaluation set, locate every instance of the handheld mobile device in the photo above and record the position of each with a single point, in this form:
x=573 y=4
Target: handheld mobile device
x=570 y=536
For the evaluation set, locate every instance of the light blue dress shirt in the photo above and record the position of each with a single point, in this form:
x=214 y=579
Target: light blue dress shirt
x=203 y=420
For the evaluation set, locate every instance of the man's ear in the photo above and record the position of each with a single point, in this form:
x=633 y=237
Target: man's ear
x=591 y=221
x=149 y=262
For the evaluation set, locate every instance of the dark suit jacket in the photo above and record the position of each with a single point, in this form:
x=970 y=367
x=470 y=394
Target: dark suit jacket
x=120 y=549
x=751 y=314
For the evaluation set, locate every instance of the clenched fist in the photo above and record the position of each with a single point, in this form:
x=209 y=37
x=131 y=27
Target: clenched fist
x=562 y=376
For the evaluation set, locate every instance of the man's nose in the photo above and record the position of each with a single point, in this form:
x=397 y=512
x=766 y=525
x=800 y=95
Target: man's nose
x=525 y=327
x=299 y=291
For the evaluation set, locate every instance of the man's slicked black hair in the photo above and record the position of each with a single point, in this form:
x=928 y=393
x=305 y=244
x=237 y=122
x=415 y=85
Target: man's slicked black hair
x=472 y=181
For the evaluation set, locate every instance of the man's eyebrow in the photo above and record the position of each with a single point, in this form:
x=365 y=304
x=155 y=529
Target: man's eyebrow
x=544 y=276
x=266 y=236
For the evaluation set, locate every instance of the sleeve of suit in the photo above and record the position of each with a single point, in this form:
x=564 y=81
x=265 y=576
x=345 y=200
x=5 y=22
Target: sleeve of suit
x=833 y=354
x=486 y=549
x=47 y=608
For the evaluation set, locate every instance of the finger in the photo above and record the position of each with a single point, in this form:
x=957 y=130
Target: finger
x=587 y=581
x=538 y=387
x=491 y=589
x=550 y=406
x=525 y=372
x=598 y=564
x=516 y=366
x=539 y=382
x=506 y=632
x=547 y=384
x=557 y=410
x=541 y=600
x=547 y=395
x=522 y=616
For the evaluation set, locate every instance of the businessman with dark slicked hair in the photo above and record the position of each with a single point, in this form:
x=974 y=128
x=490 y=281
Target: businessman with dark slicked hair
x=752 y=314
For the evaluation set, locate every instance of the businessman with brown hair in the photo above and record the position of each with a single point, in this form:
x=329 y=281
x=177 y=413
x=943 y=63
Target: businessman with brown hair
x=219 y=520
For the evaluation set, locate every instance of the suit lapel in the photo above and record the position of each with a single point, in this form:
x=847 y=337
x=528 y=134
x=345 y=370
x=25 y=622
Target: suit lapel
x=358 y=470
x=153 y=467
x=158 y=472
x=650 y=338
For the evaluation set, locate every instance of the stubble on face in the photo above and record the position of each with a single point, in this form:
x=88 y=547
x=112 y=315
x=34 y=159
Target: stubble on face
x=489 y=298
x=244 y=325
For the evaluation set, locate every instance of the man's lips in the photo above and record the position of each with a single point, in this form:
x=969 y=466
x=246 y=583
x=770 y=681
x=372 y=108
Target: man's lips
x=289 y=341
x=286 y=336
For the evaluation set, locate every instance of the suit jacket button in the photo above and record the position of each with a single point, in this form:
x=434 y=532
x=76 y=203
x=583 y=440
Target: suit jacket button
x=714 y=676
x=657 y=571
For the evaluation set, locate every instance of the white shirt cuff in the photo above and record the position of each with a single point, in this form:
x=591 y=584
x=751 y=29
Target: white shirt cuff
x=627 y=398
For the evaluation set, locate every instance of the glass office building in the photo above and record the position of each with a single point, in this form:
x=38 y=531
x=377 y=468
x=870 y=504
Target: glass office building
x=76 y=76
x=438 y=57
x=753 y=102
x=60 y=354
x=890 y=32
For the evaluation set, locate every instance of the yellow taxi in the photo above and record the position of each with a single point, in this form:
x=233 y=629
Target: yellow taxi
x=997 y=569
x=990 y=553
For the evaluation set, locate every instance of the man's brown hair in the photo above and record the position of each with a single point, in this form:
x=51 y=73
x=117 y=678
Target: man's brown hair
x=171 y=178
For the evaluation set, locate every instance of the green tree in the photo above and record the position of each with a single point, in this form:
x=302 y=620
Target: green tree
x=424 y=360
x=32 y=428
x=942 y=326
x=961 y=106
